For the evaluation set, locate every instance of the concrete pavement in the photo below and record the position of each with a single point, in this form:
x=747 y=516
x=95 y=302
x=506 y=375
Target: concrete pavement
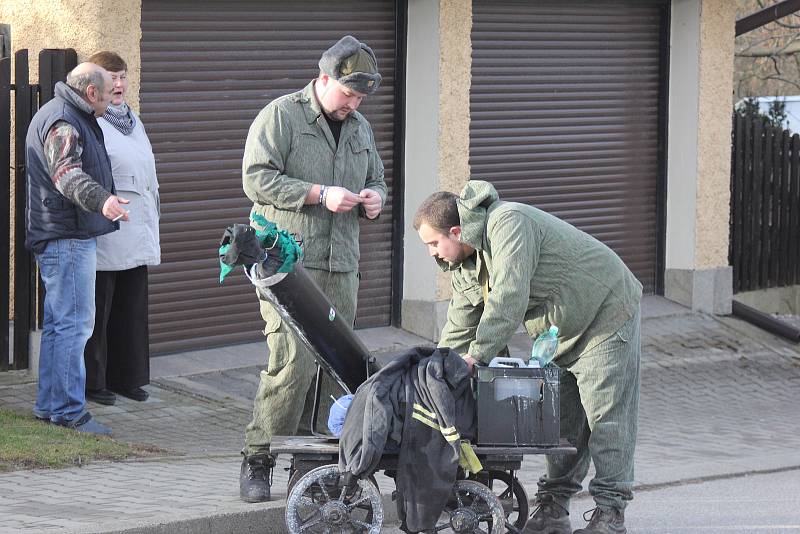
x=719 y=399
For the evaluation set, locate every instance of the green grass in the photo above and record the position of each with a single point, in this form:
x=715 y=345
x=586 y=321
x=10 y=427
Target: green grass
x=26 y=443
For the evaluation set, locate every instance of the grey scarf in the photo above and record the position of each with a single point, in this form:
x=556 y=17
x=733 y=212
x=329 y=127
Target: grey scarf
x=121 y=118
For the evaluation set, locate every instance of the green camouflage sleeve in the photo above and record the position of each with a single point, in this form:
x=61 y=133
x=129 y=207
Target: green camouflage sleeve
x=375 y=179
x=263 y=165
x=462 y=323
x=515 y=253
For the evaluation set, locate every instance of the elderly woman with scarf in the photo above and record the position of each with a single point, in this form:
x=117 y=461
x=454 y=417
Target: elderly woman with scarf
x=117 y=355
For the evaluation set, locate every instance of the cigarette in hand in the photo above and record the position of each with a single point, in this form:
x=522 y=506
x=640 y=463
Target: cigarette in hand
x=118 y=217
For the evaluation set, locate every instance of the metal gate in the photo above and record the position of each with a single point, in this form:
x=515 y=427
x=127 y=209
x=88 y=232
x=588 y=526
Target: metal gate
x=208 y=67
x=568 y=114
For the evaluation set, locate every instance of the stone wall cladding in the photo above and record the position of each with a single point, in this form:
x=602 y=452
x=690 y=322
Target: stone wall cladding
x=714 y=130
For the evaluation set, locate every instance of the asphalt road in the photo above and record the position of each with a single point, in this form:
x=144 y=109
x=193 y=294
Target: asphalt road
x=758 y=504
x=763 y=503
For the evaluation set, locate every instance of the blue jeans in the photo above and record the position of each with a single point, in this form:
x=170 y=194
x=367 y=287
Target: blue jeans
x=67 y=267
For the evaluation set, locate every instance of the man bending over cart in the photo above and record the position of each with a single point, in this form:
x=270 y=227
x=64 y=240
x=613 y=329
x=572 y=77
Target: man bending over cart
x=512 y=263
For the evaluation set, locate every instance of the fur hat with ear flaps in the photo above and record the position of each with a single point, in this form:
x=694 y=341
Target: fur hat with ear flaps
x=352 y=64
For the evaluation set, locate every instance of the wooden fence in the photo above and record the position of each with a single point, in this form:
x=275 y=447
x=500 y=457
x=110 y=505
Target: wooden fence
x=53 y=67
x=765 y=205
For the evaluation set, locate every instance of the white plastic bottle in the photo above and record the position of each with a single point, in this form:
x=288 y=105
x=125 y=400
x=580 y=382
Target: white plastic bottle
x=544 y=348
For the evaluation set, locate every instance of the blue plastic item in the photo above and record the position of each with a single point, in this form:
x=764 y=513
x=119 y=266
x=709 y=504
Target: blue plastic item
x=544 y=348
x=337 y=414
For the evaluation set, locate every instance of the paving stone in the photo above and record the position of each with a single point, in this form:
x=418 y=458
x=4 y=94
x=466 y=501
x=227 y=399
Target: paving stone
x=718 y=397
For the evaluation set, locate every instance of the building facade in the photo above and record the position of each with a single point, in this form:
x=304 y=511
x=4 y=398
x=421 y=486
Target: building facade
x=612 y=114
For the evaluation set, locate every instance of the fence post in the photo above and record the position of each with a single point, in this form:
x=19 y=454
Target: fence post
x=756 y=198
x=737 y=216
x=54 y=64
x=23 y=272
x=784 y=272
x=5 y=197
x=774 y=227
x=766 y=206
x=794 y=202
x=747 y=207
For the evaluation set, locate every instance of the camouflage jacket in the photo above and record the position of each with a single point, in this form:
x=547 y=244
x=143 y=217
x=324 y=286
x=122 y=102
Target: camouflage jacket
x=289 y=148
x=542 y=271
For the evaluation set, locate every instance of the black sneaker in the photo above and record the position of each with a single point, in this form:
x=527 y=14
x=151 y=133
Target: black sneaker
x=101 y=396
x=604 y=521
x=255 y=477
x=548 y=517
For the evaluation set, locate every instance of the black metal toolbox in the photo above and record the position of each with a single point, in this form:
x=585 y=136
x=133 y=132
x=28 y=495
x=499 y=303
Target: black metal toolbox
x=518 y=406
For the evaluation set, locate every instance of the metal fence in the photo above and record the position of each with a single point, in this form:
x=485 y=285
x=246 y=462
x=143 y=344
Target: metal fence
x=53 y=67
x=765 y=205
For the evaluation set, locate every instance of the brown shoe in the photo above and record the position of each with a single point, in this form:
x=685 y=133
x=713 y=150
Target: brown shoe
x=604 y=521
x=548 y=517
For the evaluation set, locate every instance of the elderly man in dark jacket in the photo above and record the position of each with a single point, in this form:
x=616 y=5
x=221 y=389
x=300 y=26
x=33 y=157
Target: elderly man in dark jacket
x=70 y=202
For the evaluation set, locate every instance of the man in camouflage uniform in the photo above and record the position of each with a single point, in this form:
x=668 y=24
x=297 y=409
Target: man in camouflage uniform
x=310 y=166
x=511 y=264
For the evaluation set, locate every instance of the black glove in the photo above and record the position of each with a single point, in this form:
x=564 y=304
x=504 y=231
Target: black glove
x=244 y=248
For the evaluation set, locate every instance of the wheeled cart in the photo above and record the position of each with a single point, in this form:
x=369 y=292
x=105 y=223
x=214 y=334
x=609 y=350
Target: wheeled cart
x=320 y=499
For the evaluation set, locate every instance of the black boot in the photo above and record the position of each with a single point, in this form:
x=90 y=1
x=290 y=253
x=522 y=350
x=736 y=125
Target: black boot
x=548 y=517
x=255 y=477
x=605 y=521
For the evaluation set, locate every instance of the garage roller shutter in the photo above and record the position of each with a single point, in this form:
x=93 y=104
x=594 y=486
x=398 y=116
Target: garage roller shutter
x=565 y=107
x=207 y=69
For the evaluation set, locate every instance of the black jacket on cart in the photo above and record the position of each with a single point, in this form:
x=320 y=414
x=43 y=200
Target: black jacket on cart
x=420 y=405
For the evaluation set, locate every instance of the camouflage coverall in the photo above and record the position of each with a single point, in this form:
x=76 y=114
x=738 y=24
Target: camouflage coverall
x=289 y=148
x=543 y=271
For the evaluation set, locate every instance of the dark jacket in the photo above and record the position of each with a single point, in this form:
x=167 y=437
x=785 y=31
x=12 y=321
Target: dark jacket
x=421 y=402
x=49 y=214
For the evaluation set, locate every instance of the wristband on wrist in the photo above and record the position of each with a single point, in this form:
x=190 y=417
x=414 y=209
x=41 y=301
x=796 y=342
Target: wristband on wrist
x=321 y=195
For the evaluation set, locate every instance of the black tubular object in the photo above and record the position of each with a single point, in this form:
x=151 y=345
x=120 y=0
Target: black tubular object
x=765 y=321
x=309 y=313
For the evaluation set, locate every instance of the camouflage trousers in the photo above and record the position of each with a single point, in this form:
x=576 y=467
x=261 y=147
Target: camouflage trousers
x=285 y=393
x=599 y=415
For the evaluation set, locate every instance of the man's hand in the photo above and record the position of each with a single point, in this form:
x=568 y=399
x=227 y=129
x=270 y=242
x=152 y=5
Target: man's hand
x=339 y=199
x=470 y=363
x=372 y=202
x=113 y=210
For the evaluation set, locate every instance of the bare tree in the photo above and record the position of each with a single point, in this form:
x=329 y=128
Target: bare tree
x=767 y=59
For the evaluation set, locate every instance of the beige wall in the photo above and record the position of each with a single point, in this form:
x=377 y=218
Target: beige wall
x=455 y=66
x=714 y=129
x=87 y=26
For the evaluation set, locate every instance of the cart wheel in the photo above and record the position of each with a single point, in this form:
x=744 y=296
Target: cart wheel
x=298 y=474
x=295 y=478
x=320 y=502
x=472 y=508
x=512 y=495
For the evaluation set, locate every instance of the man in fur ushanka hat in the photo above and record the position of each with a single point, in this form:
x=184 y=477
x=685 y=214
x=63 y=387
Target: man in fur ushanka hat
x=310 y=166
